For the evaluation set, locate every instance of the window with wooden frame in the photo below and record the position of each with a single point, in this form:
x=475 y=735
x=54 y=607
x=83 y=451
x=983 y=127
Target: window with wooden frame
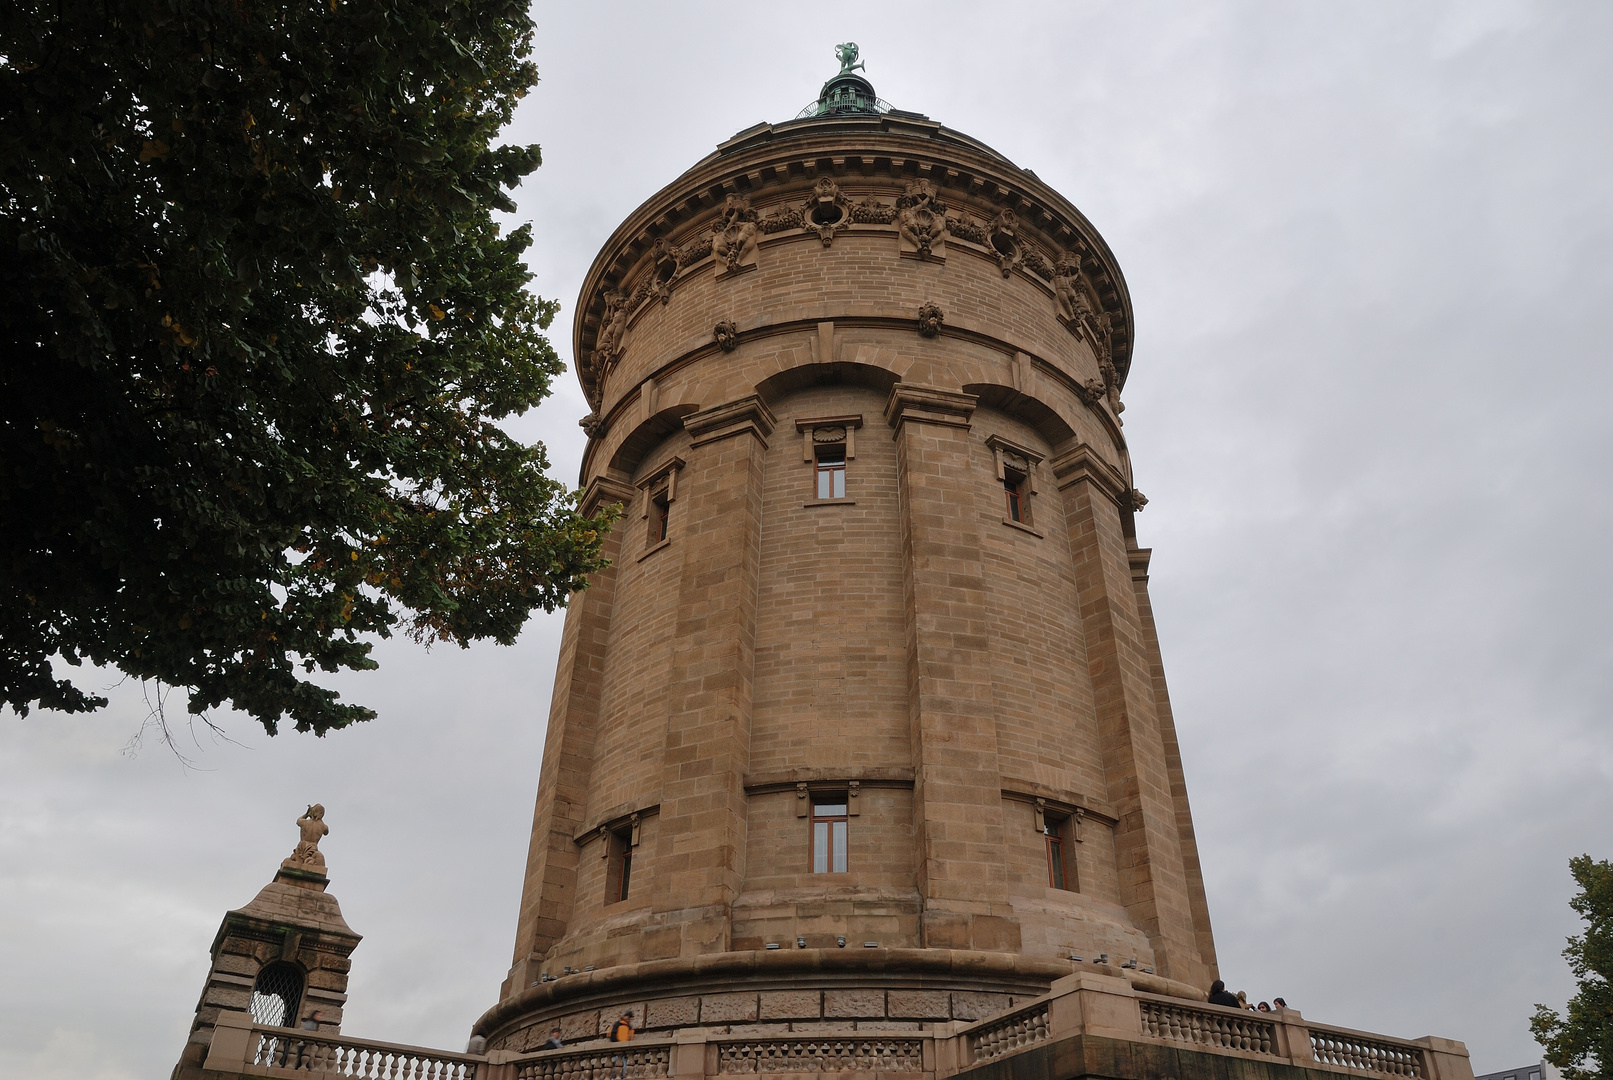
x=830 y=829
x=620 y=843
x=1016 y=471
x=660 y=492
x=828 y=444
x=1059 y=831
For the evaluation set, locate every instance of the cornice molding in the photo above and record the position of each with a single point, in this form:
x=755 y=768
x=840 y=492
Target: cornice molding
x=909 y=403
x=746 y=416
x=602 y=490
x=1083 y=463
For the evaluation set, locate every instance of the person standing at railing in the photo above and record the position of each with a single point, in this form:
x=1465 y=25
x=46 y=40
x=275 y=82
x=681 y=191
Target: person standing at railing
x=1219 y=995
x=621 y=1032
x=555 y=1042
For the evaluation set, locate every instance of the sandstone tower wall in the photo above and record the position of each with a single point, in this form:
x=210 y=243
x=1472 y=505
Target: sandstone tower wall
x=962 y=682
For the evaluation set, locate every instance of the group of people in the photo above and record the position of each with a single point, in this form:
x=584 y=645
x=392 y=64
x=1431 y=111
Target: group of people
x=1219 y=995
x=621 y=1031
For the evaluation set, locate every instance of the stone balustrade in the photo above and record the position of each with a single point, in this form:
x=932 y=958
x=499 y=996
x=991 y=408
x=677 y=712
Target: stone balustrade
x=1083 y=1010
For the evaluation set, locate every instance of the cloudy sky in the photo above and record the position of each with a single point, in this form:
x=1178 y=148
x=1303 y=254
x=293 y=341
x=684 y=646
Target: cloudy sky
x=1369 y=248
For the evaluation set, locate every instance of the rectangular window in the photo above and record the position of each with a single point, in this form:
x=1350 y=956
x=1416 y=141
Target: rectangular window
x=660 y=512
x=1060 y=864
x=832 y=471
x=829 y=837
x=1018 y=507
x=620 y=875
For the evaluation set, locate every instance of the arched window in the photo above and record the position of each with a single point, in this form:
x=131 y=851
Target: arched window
x=276 y=994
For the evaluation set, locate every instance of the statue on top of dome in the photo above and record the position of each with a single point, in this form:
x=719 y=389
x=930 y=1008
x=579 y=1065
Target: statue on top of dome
x=847 y=55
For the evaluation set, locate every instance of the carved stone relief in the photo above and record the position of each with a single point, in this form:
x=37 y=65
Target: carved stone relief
x=871 y=211
x=591 y=425
x=1070 y=292
x=611 y=343
x=1003 y=238
x=733 y=239
x=930 y=320
x=663 y=268
x=826 y=212
x=726 y=334
x=1135 y=500
x=921 y=222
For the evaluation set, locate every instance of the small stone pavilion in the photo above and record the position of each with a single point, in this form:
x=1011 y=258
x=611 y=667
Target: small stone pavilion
x=861 y=757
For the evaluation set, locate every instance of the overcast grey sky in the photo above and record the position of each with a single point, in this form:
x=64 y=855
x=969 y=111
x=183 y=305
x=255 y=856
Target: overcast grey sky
x=1369 y=251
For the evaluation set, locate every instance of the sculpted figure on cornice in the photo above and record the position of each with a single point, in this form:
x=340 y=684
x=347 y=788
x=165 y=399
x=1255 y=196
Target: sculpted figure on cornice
x=610 y=344
x=921 y=221
x=733 y=239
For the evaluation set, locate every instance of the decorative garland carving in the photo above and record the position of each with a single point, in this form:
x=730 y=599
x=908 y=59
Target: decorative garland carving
x=930 y=319
x=921 y=221
x=967 y=228
x=693 y=252
x=873 y=212
x=781 y=220
x=1034 y=261
x=726 y=334
x=733 y=240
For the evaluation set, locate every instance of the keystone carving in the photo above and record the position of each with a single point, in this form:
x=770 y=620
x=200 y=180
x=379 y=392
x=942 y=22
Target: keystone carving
x=1135 y=500
x=726 y=334
x=306 y=855
x=1003 y=238
x=733 y=239
x=591 y=425
x=921 y=221
x=930 y=319
x=1092 y=391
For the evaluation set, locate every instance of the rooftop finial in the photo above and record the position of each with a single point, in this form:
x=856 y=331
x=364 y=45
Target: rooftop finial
x=847 y=55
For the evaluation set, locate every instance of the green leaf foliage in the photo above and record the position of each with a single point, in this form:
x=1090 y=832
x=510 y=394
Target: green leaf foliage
x=1581 y=1044
x=260 y=329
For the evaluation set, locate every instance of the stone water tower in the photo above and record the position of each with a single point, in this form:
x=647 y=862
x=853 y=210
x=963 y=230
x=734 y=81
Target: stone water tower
x=865 y=725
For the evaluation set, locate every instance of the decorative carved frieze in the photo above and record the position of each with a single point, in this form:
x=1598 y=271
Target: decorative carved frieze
x=921 y=221
x=726 y=334
x=930 y=319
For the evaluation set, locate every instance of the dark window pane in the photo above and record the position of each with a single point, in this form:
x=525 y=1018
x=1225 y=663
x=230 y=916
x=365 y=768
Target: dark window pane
x=1055 y=863
x=627 y=874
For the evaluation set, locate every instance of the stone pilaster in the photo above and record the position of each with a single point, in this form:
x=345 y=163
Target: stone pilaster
x=701 y=848
x=550 y=885
x=1173 y=764
x=957 y=801
x=1148 y=855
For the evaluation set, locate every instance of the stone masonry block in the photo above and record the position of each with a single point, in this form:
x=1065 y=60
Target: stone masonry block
x=978 y=1006
x=672 y=1012
x=791 y=1005
x=728 y=1009
x=577 y=1026
x=920 y=1004
x=859 y=1004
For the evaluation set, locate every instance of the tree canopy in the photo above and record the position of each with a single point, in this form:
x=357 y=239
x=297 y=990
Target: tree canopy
x=1581 y=1044
x=260 y=332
